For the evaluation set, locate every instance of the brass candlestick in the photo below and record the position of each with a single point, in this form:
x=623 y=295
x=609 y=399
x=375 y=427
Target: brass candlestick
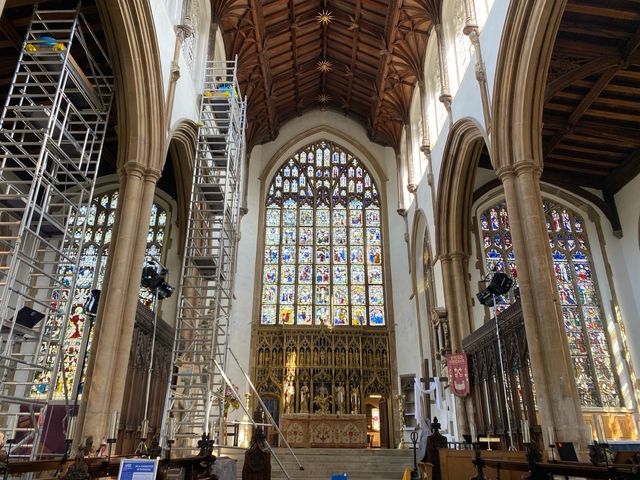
x=400 y=399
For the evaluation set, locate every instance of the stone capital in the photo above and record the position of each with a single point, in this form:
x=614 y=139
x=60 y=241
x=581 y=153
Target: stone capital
x=426 y=149
x=459 y=256
x=412 y=187
x=528 y=167
x=446 y=99
x=135 y=169
x=152 y=174
x=471 y=30
x=132 y=168
x=183 y=31
x=505 y=171
x=444 y=258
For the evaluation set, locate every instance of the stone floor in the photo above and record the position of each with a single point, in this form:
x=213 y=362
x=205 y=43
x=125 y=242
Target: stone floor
x=321 y=463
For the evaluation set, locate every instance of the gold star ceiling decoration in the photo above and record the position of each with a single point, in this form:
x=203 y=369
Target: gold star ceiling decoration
x=324 y=66
x=323 y=98
x=324 y=17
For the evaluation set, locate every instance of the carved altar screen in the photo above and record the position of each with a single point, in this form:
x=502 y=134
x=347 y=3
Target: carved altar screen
x=323 y=242
x=583 y=318
x=330 y=371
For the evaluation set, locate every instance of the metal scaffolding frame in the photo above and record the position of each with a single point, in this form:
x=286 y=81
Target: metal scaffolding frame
x=52 y=131
x=195 y=397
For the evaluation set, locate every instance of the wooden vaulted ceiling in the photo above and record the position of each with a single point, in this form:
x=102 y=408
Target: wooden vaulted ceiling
x=591 y=116
x=374 y=51
x=591 y=122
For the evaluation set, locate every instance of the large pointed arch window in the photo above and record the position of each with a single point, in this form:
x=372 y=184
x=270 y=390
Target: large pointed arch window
x=92 y=266
x=581 y=309
x=323 y=242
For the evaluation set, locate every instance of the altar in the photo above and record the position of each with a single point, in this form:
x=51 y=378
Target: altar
x=324 y=430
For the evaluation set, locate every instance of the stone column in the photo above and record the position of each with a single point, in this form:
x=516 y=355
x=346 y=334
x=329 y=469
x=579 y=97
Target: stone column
x=445 y=92
x=553 y=375
x=450 y=270
x=402 y=204
x=411 y=174
x=106 y=372
x=425 y=143
x=472 y=30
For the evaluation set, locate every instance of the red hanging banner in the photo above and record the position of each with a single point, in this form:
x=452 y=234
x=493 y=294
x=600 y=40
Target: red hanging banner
x=459 y=374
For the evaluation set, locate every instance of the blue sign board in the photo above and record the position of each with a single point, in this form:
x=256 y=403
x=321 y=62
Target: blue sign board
x=137 y=469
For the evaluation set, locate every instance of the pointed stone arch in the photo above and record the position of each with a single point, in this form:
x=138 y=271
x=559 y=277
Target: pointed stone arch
x=523 y=63
x=135 y=57
x=455 y=187
x=182 y=150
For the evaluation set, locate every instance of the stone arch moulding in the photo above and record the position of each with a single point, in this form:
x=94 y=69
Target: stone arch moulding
x=182 y=150
x=133 y=46
x=523 y=64
x=455 y=187
x=328 y=133
x=420 y=232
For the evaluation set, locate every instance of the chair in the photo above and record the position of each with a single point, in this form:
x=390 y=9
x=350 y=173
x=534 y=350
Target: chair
x=425 y=469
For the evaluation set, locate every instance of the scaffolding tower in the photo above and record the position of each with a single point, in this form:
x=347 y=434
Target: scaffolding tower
x=196 y=392
x=52 y=131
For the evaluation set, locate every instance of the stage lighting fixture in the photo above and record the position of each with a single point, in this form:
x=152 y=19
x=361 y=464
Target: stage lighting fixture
x=485 y=297
x=164 y=290
x=500 y=284
x=153 y=278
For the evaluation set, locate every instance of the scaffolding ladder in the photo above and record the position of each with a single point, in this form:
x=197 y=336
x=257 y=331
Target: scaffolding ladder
x=52 y=131
x=196 y=392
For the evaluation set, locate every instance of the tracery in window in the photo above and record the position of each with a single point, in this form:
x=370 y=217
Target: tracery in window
x=583 y=318
x=92 y=266
x=323 y=242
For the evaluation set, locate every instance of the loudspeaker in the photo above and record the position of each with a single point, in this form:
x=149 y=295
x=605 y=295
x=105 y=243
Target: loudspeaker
x=91 y=305
x=28 y=317
x=567 y=451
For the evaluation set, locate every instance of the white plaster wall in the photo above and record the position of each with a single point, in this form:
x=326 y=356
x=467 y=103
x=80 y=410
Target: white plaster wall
x=186 y=104
x=399 y=286
x=466 y=104
x=625 y=263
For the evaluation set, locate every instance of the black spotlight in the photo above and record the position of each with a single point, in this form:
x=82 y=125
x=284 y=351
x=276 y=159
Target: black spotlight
x=164 y=290
x=153 y=278
x=91 y=305
x=499 y=285
x=485 y=297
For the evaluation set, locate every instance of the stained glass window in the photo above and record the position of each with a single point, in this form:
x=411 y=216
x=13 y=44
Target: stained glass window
x=93 y=261
x=323 y=256
x=583 y=318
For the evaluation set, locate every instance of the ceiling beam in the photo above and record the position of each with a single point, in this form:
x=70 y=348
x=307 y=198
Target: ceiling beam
x=582 y=107
x=323 y=42
x=263 y=52
x=354 y=53
x=294 y=49
x=11 y=33
x=624 y=173
x=592 y=67
x=393 y=14
x=632 y=46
